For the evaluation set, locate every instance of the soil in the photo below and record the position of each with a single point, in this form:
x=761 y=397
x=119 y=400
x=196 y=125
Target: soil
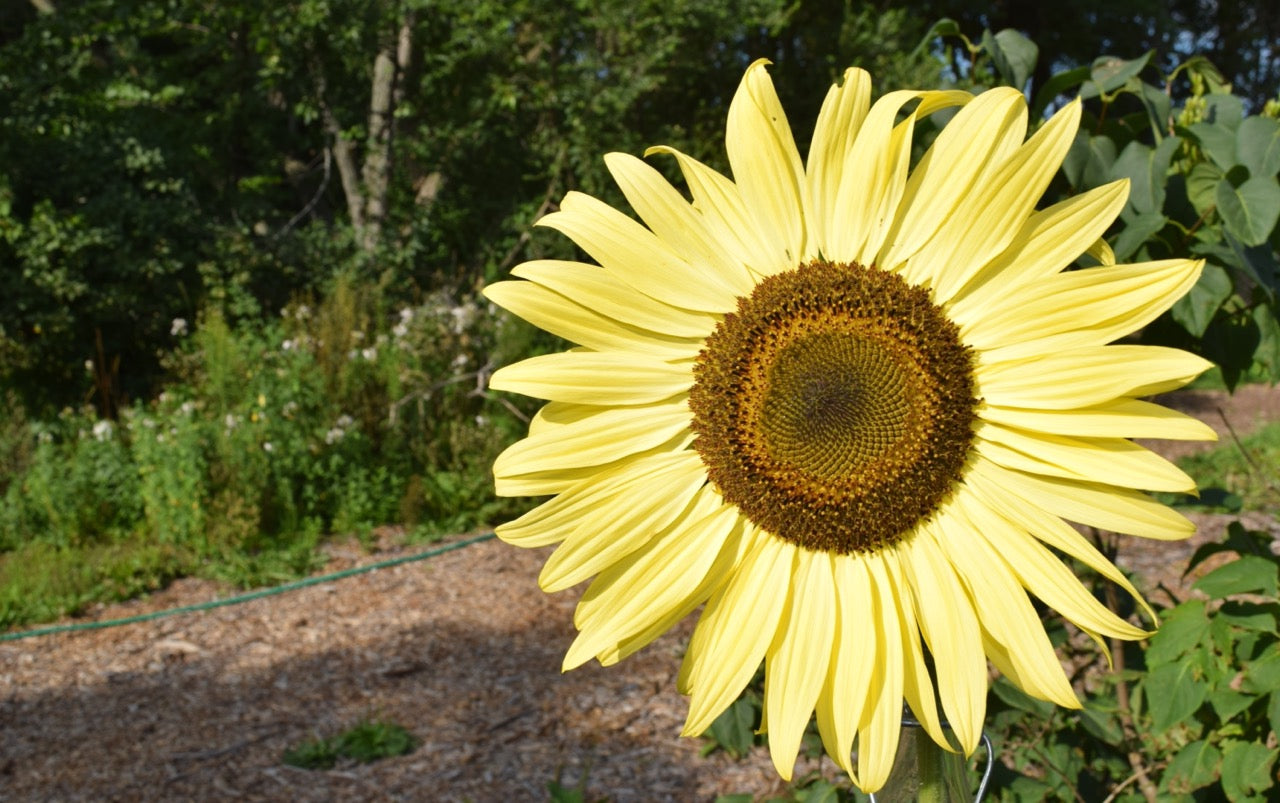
x=463 y=649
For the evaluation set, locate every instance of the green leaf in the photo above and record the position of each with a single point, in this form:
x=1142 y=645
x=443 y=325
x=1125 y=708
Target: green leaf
x=1195 y=310
x=1258 y=261
x=1159 y=107
x=1089 y=160
x=1109 y=73
x=1262 y=674
x=1140 y=229
x=1195 y=766
x=1102 y=725
x=1055 y=86
x=820 y=791
x=1014 y=697
x=1231 y=341
x=1181 y=631
x=1224 y=109
x=734 y=729
x=1227 y=703
x=1013 y=54
x=1273 y=711
x=1217 y=141
x=1258 y=145
x=1250 y=210
x=1246 y=769
x=1241 y=576
x=1263 y=617
x=1202 y=184
x=943 y=27
x=1147 y=170
x=1173 y=693
x=1267 y=354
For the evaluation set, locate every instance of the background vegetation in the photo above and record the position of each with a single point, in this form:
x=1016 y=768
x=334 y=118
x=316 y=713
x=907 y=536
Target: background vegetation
x=241 y=243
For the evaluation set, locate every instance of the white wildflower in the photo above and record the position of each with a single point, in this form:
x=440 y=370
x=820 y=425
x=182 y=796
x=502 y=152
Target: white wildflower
x=102 y=430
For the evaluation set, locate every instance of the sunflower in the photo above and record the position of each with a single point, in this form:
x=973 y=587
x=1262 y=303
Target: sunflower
x=847 y=406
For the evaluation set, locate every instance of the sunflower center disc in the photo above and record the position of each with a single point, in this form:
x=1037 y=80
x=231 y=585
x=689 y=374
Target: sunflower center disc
x=835 y=407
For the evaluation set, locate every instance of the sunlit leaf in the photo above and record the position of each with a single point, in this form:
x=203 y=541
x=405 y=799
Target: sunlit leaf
x=1250 y=210
x=1173 y=693
x=1195 y=766
x=1241 y=576
x=1246 y=769
x=1258 y=145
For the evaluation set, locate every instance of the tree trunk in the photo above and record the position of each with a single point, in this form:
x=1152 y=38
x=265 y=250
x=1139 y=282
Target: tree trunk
x=387 y=92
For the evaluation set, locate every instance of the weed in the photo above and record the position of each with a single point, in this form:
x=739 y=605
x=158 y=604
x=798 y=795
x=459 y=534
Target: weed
x=365 y=742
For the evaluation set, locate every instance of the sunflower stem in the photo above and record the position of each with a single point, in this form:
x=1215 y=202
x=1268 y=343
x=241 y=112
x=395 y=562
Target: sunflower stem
x=929 y=758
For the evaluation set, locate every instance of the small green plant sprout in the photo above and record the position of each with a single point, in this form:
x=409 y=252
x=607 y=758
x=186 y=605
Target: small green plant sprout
x=366 y=742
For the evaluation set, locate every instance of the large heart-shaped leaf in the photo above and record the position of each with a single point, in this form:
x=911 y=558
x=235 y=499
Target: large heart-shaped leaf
x=1251 y=209
x=1258 y=145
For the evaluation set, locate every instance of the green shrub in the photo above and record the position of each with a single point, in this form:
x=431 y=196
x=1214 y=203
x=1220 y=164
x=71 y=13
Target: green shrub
x=339 y=416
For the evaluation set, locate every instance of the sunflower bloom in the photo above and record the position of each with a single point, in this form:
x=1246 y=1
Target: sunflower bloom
x=847 y=406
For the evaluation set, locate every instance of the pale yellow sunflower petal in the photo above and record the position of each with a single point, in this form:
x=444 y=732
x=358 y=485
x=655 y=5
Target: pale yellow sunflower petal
x=637 y=256
x=562 y=416
x=651 y=581
x=733 y=548
x=625 y=520
x=917 y=681
x=726 y=214
x=1123 y=463
x=674 y=220
x=766 y=164
x=872 y=182
x=1093 y=504
x=842 y=114
x=881 y=725
x=988 y=499
x=796 y=663
x=1089 y=307
x=558 y=481
x=1009 y=618
x=589 y=377
x=981 y=136
x=995 y=214
x=560 y=316
x=1101 y=251
x=1121 y=418
x=854 y=658
x=596 y=288
x=612 y=433
x=553 y=520
x=741 y=622
x=1042 y=573
x=748 y=545
x=1048 y=242
x=945 y=611
x=1086 y=376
